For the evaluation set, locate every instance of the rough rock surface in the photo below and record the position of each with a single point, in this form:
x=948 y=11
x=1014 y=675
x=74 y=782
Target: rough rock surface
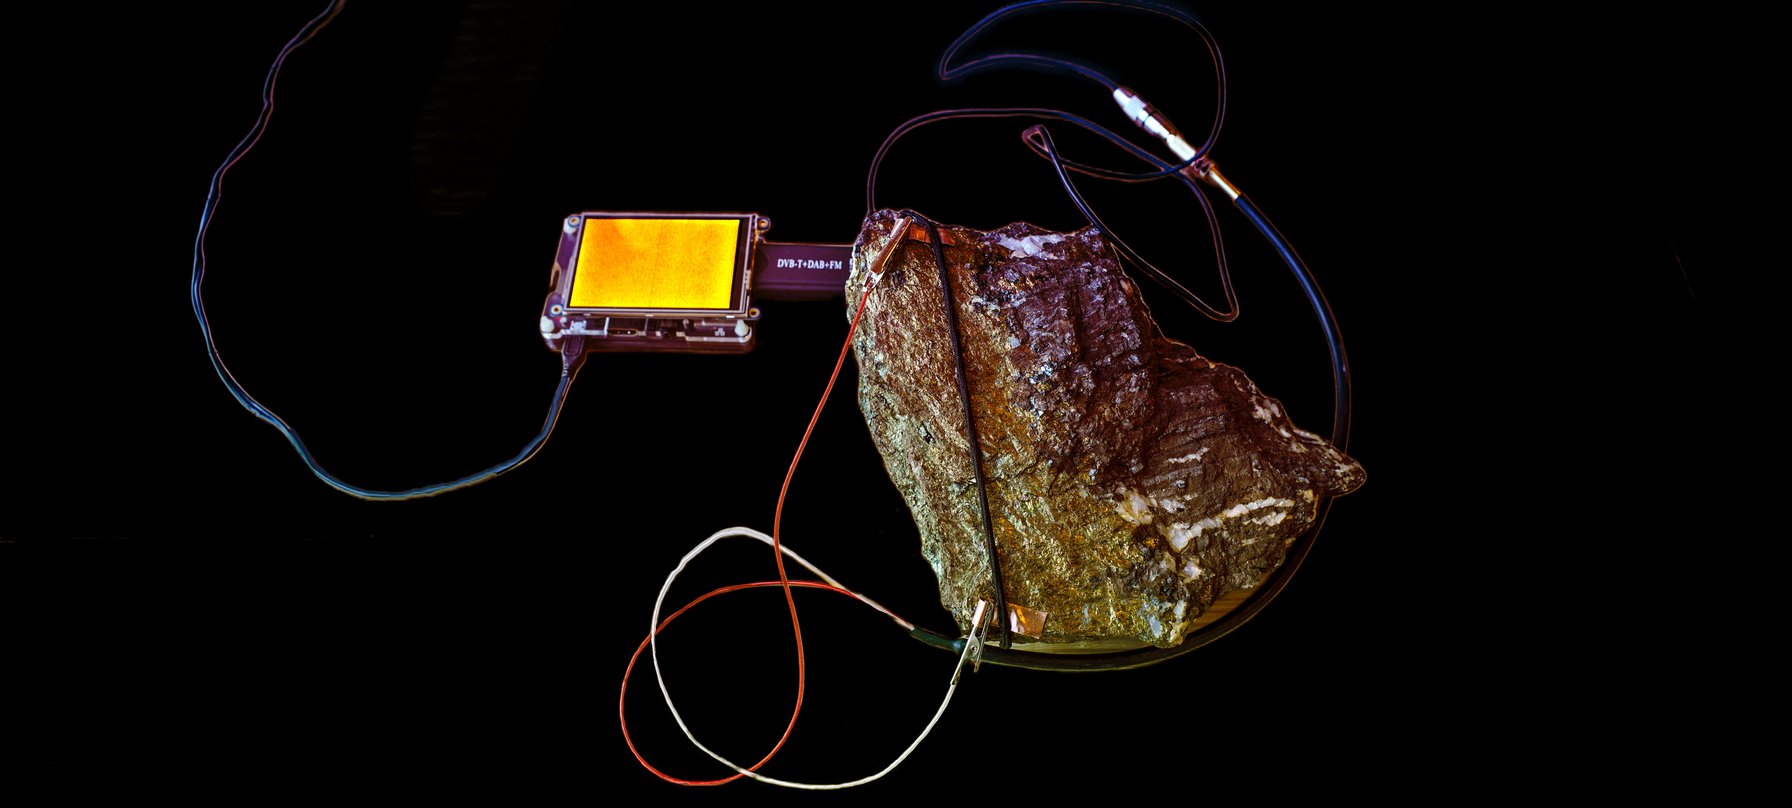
x=1131 y=481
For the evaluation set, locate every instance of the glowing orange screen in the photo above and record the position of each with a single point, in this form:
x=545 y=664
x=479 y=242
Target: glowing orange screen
x=656 y=264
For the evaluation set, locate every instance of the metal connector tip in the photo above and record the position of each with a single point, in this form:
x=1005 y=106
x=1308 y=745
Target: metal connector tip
x=898 y=234
x=973 y=643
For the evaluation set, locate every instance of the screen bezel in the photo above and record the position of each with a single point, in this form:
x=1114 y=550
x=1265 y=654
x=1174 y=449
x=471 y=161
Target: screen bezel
x=740 y=282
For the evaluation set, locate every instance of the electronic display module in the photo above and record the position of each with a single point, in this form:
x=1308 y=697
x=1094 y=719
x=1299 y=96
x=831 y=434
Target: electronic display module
x=654 y=282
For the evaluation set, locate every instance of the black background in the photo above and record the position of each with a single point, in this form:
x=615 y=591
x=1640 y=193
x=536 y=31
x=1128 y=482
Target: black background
x=1505 y=216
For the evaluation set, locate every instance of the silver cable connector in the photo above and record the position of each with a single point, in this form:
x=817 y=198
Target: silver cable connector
x=1150 y=120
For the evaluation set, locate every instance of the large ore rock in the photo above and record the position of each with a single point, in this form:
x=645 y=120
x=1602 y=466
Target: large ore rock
x=1132 y=482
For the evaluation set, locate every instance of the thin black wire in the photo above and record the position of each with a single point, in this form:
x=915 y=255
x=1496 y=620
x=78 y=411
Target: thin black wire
x=1150 y=270
x=947 y=72
x=1219 y=243
x=970 y=424
x=1322 y=309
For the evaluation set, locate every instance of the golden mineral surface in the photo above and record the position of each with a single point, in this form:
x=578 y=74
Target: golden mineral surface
x=1131 y=481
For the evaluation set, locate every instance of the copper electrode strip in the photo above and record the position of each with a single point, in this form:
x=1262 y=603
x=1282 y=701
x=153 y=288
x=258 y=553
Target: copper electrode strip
x=1026 y=622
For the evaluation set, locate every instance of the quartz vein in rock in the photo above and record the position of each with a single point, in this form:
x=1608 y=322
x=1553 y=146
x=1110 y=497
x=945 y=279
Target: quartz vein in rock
x=1132 y=482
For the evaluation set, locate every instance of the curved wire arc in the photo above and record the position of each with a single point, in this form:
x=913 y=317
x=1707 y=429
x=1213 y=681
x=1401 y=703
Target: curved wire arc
x=569 y=363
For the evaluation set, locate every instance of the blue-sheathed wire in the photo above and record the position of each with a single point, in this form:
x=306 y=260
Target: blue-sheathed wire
x=571 y=355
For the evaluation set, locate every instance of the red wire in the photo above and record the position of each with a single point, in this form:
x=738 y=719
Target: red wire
x=622 y=711
x=796 y=626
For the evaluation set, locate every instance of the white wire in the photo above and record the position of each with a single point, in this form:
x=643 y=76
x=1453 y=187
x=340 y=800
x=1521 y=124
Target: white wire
x=653 y=643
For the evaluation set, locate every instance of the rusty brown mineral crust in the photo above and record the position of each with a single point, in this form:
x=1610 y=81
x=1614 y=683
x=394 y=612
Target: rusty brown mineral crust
x=1131 y=481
